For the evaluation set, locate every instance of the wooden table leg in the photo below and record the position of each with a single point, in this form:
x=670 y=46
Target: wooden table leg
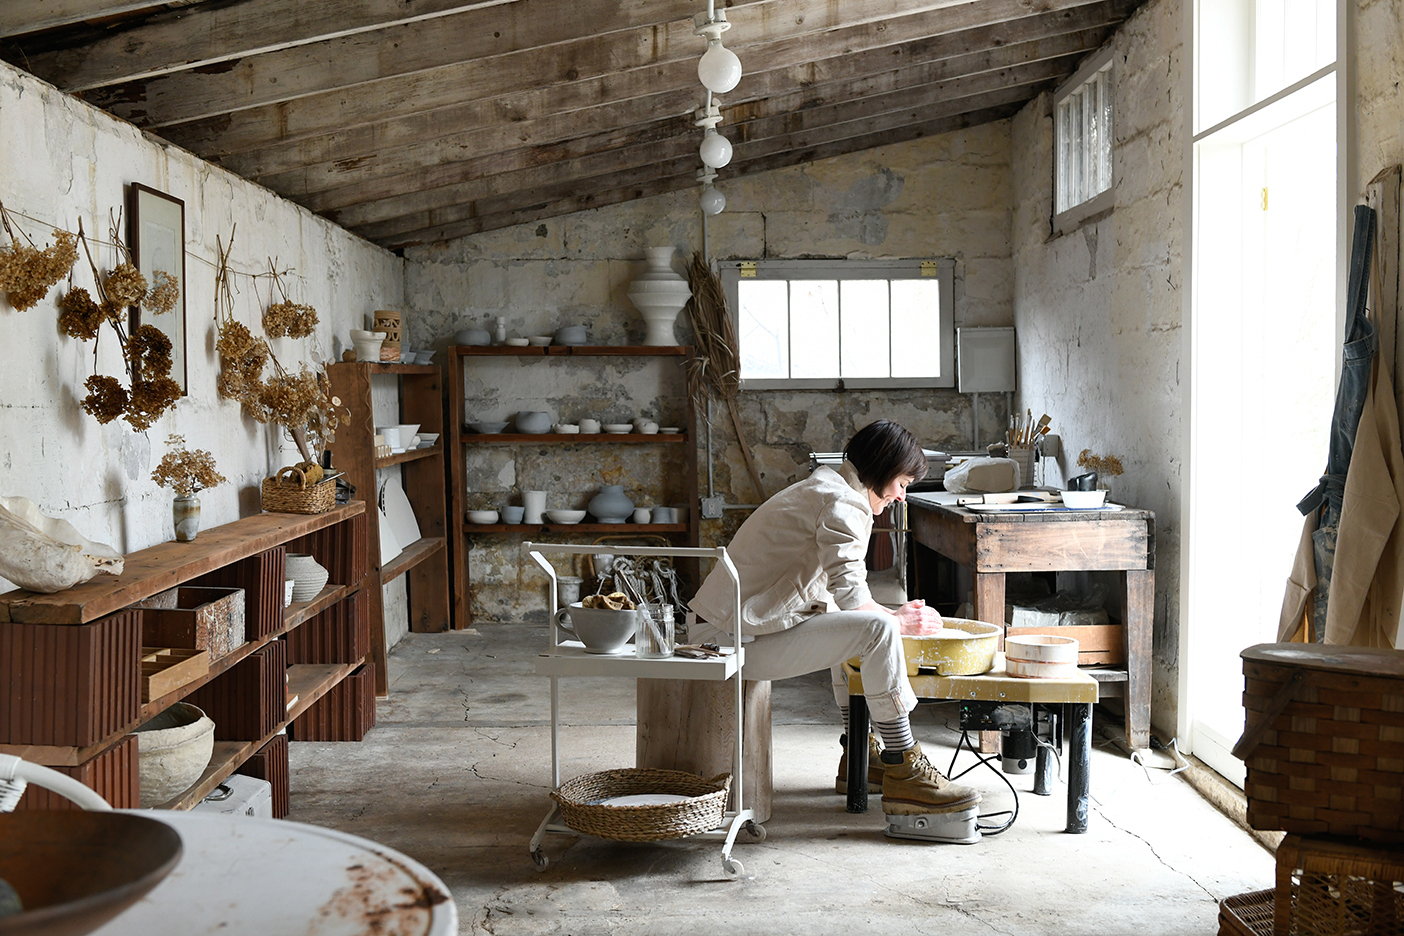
x=987 y=600
x=1079 y=765
x=857 y=754
x=1139 y=610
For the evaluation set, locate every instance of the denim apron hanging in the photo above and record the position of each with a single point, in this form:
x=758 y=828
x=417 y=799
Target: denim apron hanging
x=1357 y=355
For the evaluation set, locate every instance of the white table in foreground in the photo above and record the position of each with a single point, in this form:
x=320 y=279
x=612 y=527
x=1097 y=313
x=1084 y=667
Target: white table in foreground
x=570 y=658
x=271 y=877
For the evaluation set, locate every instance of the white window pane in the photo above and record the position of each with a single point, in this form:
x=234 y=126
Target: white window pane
x=764 y=334
x=865 y=328
x=916 y=328
x=814 y=328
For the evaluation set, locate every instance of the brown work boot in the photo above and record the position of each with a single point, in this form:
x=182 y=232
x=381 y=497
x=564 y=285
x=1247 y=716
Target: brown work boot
x=874 y=767
x=911 y=786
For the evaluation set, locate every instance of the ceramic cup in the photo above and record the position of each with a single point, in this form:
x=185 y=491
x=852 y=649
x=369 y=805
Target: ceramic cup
x=535 y=506
x=512 y=513
x=590 y=426
x=665 y=515
x=642 y=515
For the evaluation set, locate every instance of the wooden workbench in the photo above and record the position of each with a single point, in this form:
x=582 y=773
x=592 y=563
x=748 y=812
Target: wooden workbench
x=994 y=544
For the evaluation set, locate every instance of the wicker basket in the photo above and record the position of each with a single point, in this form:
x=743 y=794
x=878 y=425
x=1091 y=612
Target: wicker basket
x=295 y=495
x=1328 y=887
x=703 y=811
x=1246 y=914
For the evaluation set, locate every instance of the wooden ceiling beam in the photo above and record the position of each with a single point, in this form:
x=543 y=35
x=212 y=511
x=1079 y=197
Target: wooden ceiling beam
x=455 y=134
x=427 y=208
x=18 y=18
x=587 y=72
x=589 y=196
x=384 y=198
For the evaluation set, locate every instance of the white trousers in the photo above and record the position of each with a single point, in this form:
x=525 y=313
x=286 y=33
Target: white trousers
x=827 y=640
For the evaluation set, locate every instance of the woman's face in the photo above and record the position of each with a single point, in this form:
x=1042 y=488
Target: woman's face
x=895 y=491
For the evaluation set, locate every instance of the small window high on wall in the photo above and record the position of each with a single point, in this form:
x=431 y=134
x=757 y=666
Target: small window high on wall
x=1082 y=144
x=827 y=324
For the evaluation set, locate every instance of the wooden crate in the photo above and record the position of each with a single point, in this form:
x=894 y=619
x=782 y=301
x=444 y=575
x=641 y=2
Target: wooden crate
x=270 y=763
x=1097 y=644
x=249 y=700
x=194 y=618
x=69 y=684
x=1324 y=744
x=1330 y=887
x=166 y=669
x=111 y=774
x=340 y=634
x=345 y=713
x=261 y=577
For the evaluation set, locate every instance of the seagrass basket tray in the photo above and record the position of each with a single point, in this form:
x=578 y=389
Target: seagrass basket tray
x=292 y=494
x=703 y=810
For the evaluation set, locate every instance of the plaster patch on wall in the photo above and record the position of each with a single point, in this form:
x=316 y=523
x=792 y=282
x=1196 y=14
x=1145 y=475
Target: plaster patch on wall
x=858 y=214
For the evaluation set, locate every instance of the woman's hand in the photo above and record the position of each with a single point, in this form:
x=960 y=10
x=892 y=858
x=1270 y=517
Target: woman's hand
x=915 y=619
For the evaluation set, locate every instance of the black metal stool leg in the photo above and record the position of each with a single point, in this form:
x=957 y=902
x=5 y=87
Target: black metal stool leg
x=857 y=754
x=1079 y=764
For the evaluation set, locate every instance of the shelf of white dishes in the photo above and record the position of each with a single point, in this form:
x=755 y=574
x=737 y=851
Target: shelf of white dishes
x=409 y=557
x=472 y=438
x=566 y=350
x=631 y=528
x=410 y=455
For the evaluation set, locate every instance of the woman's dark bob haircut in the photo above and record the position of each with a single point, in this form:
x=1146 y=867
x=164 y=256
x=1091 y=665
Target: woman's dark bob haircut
x=883 y=451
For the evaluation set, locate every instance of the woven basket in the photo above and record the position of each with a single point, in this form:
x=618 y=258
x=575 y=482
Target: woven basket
x=1246 y=914
x=1336 y=887
x=703 y=811
x=295 y=495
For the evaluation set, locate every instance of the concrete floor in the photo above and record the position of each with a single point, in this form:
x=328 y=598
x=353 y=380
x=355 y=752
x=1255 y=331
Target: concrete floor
x=456 y=774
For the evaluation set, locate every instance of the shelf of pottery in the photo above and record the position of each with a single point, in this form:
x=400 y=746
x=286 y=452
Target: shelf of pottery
x=535 y=451
x=397 y=467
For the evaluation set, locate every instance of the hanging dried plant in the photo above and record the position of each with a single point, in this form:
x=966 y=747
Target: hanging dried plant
x=186 y=471
x=287 y=318
x=1108 y=465
x=149 y=353
x=27 y=273
x=163 y=295
x=125 y=285
x=149 y=399
x=106 y=399
x=79 y=316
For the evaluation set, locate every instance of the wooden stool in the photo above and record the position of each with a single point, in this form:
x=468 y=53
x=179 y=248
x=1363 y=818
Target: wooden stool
x=687 y=724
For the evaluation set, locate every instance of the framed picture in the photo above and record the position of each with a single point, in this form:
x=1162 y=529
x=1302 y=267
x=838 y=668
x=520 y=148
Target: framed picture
x=156 y=235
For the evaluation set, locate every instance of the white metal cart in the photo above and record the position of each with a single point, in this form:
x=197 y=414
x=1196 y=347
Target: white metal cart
x=568 y=658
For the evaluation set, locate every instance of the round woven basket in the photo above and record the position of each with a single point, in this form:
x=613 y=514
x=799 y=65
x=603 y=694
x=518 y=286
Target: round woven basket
x=294 y=495
x=703 y=811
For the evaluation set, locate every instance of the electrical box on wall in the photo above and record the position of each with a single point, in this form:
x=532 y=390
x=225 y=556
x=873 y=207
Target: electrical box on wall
x=985 y=360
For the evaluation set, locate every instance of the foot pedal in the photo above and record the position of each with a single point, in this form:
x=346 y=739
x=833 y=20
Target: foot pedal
x=954 y=828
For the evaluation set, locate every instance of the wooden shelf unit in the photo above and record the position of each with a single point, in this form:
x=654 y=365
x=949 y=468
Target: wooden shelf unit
x=425 y=562
x=31 y=624
x=460 y=544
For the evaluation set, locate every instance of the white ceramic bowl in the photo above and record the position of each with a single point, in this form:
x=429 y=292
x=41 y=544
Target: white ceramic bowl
x=539 y=341
x=173 y=750
x=487 y=428
x=1084 y=499
x=565 y=429
x=565 y=516
x=599 y=629
x=618 y=428
x=516 y=342
x=482 y=516
x=360 y=334
x=424 y=357
x=428 y=438
x=407 y=431
x=670 y=430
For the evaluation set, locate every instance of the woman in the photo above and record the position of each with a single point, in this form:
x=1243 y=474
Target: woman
x=805 y=605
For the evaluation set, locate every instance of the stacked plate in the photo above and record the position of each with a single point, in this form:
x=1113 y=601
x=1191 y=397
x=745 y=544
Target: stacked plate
x=307 y=576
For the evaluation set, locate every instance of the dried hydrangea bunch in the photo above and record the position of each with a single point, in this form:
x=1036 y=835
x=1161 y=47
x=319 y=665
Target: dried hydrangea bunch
x=241 y=358
x=289 y=319
x=124 y=285
x=161 y=298
x=28 y=273
x=79 y=315
x=106 y=400
x=185 y=471
x=1102 y=464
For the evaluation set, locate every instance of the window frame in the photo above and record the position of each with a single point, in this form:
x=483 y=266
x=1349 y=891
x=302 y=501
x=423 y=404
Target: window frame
x=942 y=269
x=1071 y=218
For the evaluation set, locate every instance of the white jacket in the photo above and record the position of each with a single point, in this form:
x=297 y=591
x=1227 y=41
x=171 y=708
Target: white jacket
x=799 y=551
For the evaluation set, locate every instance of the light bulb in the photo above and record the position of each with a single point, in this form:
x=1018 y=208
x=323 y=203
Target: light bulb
x=716 y=150
x=712 y=200
x=719 y=68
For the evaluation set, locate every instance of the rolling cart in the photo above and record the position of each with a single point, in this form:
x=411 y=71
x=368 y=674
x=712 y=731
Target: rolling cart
x=568 y=658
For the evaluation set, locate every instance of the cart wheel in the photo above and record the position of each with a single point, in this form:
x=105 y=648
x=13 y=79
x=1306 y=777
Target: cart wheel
x=733 y=868
x=539 y=859
x=755 y=830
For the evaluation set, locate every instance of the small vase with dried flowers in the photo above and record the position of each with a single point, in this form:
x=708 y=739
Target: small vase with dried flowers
x=186 y=472
x=1106 y=466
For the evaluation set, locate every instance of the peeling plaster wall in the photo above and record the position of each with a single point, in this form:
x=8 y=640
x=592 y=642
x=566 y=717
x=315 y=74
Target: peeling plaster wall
x=1379 y=65
x=1098 y=311
x=946 y=196
x=63 y=160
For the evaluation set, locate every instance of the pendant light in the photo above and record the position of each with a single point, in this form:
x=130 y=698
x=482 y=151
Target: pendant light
x=719 y=69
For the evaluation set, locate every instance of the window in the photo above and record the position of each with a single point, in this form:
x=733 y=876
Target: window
x=825 y=324
x=1082 y=144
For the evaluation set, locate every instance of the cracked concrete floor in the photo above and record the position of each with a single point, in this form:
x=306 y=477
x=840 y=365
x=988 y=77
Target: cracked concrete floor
x=456 y=774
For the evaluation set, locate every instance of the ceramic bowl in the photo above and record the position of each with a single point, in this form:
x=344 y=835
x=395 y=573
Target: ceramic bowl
x=539 y=341
x=367 y=349
x=516 y=342
x=1084 y=499
x=648 y=428
x=565 y=429
x=533 y=422
x=571 y=335
x=472 y=336
x=565 y=516
x=428 y=438
x=617 y=428
x=360 y=334
x=173 y=750
x=407 y=431
x=482 y=516
x=424 y=357
x=963 y=648
x=599 y=629
x=670 y=430
x=487 y=428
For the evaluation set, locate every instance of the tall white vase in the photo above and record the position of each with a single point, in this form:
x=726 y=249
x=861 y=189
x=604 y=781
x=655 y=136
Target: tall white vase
x=660 y=295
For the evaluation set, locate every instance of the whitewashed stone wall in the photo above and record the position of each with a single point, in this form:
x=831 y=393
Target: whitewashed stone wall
x=62 y=160
x=1098 y=311
x=946 y=196
x=1379 y=65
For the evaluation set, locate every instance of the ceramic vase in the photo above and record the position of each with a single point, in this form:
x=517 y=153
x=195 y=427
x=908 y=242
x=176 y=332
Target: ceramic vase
x=610 y=505
x=534 y=504
x=185 y=511
x=660 y=295
x=309 y=577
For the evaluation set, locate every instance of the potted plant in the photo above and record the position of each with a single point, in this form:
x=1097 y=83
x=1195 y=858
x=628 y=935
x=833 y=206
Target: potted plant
x=186 y=472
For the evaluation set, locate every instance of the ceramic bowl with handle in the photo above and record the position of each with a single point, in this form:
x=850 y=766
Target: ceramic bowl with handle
x=599 y=629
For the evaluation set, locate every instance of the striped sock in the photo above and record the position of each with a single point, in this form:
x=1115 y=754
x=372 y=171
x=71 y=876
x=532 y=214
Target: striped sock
x=896 y=735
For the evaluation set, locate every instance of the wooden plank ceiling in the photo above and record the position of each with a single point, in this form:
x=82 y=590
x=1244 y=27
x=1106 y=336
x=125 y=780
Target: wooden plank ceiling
x=418 y=121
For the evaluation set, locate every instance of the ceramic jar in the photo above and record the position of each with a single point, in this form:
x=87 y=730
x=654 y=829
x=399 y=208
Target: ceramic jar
x=367 y=344
x=308 y=576
x=533 y=423
x=185 y=511
x=660 y=295
x=570 y=335
x=610 y=505
x=472 y=336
